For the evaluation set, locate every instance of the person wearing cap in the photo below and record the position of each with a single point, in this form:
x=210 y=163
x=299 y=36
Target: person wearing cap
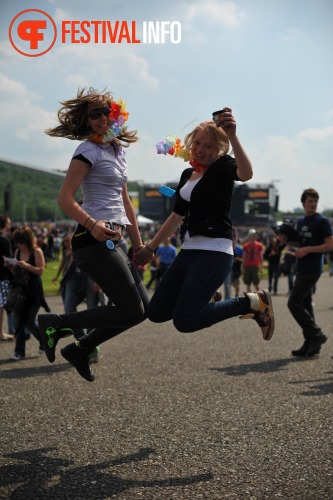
x=253 y=256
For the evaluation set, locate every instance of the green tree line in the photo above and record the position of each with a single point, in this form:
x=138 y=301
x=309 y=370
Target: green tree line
x=32 y=194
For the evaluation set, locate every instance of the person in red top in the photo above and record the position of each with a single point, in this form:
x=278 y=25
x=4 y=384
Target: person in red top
x=253 y=252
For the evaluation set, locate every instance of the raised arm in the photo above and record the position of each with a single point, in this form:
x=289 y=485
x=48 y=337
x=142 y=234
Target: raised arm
x=228 y=123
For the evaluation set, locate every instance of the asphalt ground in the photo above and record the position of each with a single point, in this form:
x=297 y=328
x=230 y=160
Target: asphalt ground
x=218 y=414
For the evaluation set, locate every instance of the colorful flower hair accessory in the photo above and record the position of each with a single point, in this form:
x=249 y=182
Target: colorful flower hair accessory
x=119 y=117
x=172 y=146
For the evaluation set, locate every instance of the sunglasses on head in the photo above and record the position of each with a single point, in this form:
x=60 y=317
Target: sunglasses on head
x=94 y=114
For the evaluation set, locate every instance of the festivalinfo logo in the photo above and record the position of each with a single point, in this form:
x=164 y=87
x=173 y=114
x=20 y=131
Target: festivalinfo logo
x=33 y=32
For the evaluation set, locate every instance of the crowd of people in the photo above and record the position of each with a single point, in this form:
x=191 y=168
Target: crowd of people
x=258 y=254
x=104 y=257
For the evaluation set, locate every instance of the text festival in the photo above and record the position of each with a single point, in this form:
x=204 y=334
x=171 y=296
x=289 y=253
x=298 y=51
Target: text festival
x=120 y=32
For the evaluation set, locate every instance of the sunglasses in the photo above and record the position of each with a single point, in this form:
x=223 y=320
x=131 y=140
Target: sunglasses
x=94 y=114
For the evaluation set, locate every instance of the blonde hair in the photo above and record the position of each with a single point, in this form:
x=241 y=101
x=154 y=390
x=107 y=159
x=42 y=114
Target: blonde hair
x=73 y=116
x=216 y=134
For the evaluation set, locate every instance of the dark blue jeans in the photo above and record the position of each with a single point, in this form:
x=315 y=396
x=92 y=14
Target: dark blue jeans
x=273 y=276
x=120 y=282
x=184 y=293
x=300 y=304
x=77 y=288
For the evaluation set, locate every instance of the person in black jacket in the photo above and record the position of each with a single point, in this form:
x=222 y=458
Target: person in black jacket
x=5 y=275
x=273 y=256
x=316 y=238
x=202 y=208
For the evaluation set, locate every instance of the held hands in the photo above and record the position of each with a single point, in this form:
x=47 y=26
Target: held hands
x=144 y=255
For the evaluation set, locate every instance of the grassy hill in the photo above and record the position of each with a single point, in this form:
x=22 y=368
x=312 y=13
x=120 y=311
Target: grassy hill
x=33 y=193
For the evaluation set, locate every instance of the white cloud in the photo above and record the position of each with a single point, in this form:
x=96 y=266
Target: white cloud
x=123 y=64
x=14 y=88
x=317 y=135
x=297 y=163
x=26 y=121
x=226 y=13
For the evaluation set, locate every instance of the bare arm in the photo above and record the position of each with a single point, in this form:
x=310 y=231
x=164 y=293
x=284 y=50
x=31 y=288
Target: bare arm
x=169 y=227
x=244 y=170
x=60 y=269
x=133 y=230
x=228 y=123
x=324 y=247
x=66 y=200
x=39 y=266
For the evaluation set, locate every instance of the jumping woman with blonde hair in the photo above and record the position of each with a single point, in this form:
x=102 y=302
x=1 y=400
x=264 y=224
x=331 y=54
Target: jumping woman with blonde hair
x=202 y=207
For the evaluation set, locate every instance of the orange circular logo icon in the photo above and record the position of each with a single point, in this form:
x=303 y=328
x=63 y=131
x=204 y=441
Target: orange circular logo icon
x=32 y=32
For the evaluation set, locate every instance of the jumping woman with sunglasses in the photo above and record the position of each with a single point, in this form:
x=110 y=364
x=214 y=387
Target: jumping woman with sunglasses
x=98 y=167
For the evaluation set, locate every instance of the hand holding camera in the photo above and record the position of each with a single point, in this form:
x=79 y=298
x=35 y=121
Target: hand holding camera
x=224 y=119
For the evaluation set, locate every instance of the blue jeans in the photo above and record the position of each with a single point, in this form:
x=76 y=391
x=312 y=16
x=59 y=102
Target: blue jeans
x=300 y=304
x=227 y=287
x=77 y=288
x=120 y=282
x=184 y=293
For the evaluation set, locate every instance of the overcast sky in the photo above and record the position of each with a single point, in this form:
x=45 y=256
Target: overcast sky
x=269 y=60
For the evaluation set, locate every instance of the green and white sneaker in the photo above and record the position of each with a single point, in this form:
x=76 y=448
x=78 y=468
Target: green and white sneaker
x=93 y=356
x=78 y=357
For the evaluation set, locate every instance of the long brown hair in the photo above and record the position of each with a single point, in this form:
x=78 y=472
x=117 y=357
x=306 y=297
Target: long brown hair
x=25 y=235
x=73 y=116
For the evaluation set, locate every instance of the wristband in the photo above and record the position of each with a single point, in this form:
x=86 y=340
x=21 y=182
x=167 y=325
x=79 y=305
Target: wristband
x=84 y=225
x=92 y=227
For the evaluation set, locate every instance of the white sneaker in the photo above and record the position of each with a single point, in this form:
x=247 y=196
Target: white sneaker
x=16 y=357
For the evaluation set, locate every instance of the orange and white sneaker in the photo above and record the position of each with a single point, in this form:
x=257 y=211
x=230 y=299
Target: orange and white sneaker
x=261 y=310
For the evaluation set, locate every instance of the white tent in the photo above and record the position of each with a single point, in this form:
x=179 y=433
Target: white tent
x=143 y=220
